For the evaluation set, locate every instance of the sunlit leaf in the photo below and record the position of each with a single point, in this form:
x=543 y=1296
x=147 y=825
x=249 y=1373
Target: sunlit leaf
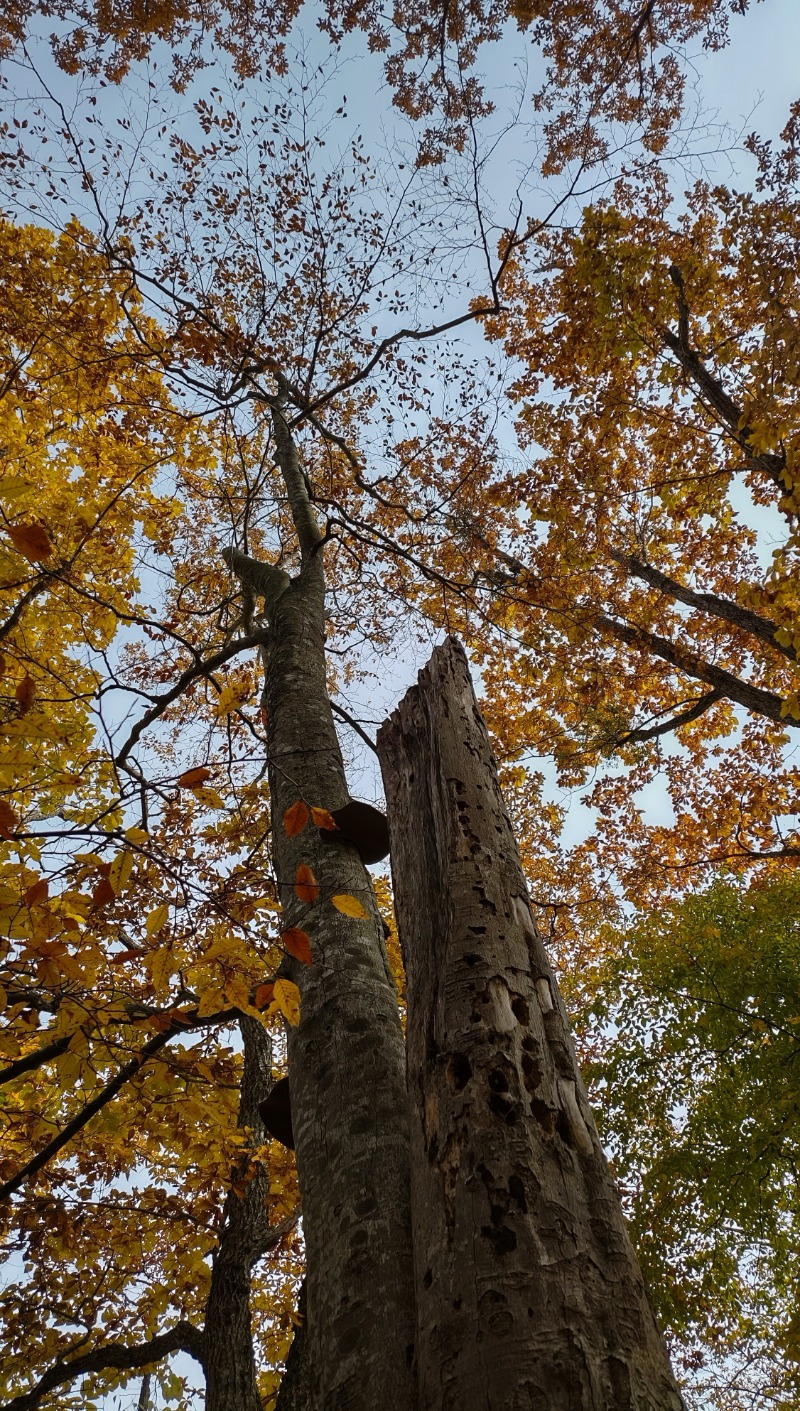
x=349 y=906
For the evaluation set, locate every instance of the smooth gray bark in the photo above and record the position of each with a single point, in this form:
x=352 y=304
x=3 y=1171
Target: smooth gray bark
x=346 y=1057
x=528 y=1292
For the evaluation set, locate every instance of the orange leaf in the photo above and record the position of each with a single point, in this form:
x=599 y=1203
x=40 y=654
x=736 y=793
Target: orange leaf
x=295 y=819
x=8 y=819
x=263 y=996
x=298 y=944
x=103 y=893
x=38 y=892
x=123 y=955
x=323 y=819
x=349 y=906
x=193 y=778
x=25 y=692
x=306 y=886
x=30 y=540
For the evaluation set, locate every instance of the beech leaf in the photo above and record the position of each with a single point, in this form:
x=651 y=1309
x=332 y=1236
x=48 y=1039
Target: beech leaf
x=287 y=999
x=295 y=819
x=193 y=778
x=306 y=886
x=31 y=540
x=298 y=944
x=350 y=906
x=323 y=819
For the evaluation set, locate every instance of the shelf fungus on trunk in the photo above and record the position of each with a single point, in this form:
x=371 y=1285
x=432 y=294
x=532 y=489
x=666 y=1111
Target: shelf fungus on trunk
x=364 y=826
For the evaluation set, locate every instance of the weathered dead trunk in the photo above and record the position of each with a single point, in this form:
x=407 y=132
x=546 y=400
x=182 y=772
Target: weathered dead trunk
x=346 y=1058
x=229 y=1361
x=528 y=1291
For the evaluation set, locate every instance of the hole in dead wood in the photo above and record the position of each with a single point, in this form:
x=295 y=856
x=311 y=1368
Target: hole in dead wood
x=503 y=1239
x=531 y=1072
x=471 y=958
x=516 y=1190
x=544 y=1115
x=427 y=1278
x=519 y=1009
x=503 y=1106
x=498 y=1081
x=459 y=1070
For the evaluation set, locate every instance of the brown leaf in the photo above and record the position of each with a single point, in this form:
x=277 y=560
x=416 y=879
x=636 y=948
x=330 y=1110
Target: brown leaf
x=193 y=778
x=30 y=540
x=306 y=886
x=8 y=819
x=103 y=893
x=25 y=692
x=37 y=893
x=264 y=995
x=323 y=819
x=295 y=819
x=297 y=944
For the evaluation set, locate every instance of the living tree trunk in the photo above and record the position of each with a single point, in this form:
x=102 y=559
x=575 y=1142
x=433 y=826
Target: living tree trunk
x=246 y=1234
x=346 y=1056
x=528 y=1292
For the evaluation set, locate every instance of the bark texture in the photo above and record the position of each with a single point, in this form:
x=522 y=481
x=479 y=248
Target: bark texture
x=346 y=1057
x=229 y=1360
x=528 y=1292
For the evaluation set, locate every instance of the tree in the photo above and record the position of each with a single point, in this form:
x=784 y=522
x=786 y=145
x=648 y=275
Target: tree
x=694 y=1027
x=259 y=294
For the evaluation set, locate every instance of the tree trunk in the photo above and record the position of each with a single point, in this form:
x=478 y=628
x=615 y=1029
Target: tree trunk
x=230 y=1363
x=346 y=1058
x=528 y=1291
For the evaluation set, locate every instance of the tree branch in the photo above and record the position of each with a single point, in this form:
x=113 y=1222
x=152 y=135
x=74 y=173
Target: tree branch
x=305 y=522
x=753 y=698
x=36 y=1059
x=85 y=1115
x=354 y=725
x=192 y=673
x=184 y=1337
x=751 y=622
x=725 y=408
x=675 y=721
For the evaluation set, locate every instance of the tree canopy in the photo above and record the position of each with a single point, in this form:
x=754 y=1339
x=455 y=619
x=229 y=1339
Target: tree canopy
x=559 y=421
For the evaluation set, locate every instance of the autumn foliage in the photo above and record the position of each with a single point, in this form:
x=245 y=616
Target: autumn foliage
x=598 y=491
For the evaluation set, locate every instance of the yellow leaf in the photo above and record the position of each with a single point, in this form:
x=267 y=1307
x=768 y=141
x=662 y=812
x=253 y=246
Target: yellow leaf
x=137 y=835
x=211 y=1001
x=349 y=906
x=210 y=797
x=120 y=872
x=161 y=965
x=192 y=778
x=295 y=819
x=287 y=999
x=156 y=919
